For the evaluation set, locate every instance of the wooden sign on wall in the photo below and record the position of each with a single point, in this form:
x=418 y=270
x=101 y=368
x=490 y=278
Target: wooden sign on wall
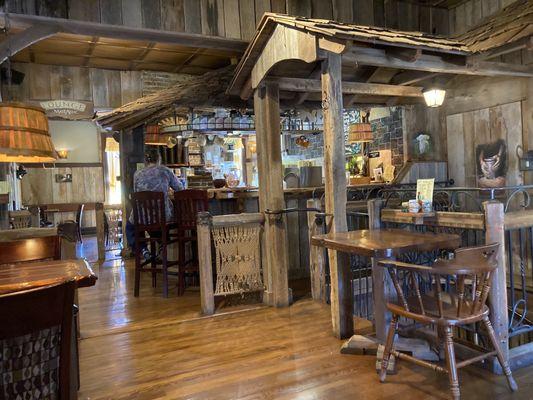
x=67 y=109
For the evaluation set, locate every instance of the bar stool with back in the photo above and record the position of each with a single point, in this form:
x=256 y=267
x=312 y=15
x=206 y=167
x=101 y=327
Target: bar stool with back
x=150 y=217
x=449 y=294
x=187 y=205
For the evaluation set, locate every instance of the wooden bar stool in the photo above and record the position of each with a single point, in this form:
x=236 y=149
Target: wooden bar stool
x=187 y=205
x=451 y=293
x=149 y=217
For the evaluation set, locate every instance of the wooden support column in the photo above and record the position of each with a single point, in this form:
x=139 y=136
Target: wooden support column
x=271 y=197
x=205 y=262
x=317 y=261
x=382 y=287
x=495 y=233
x=100 y=230
x=335 y=193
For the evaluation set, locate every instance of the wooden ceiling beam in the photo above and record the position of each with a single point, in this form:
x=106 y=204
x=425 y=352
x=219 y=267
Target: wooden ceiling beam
x=411 y=77
x=356 y=88
x=430 y=63
x=521 y=44
x=92 y=45
x=302 y=97
x=404 y=54
x=20 y=40
x=127 y=33
x=382 y=75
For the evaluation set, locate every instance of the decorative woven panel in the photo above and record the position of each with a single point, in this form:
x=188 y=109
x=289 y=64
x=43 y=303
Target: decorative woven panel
x=238 y=259
x=29 y=366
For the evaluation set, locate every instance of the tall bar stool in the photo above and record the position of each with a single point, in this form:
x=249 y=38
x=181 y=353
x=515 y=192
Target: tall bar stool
x=187 y=205
x=150 y=218
x=449 y=294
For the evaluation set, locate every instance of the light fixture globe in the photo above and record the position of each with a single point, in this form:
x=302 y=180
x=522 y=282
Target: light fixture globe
x=434 y=97
x=24 y=134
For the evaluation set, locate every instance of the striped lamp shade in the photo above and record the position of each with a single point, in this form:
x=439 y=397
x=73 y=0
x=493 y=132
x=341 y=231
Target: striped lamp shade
x=24 y=135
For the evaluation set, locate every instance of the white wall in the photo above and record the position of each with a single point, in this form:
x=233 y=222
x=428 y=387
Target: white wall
x=80 y=138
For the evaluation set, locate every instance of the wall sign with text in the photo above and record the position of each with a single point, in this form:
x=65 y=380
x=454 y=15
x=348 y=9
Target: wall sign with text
x=68 y=109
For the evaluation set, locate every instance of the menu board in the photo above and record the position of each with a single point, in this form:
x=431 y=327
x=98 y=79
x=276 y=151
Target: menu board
x=424 y=189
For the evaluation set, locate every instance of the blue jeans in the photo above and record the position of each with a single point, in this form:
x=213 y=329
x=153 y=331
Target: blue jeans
x=130 y=235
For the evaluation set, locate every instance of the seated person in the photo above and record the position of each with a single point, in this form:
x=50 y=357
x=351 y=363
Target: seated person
x=154 y=177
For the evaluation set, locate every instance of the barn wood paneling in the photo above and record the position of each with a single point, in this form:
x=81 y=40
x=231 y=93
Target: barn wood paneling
x=238 y=18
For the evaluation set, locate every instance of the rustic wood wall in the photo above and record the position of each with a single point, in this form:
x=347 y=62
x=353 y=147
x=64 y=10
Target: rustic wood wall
x=483 y=110
x=468 y=129
x=236 y=18
x=468 y=14
x=106 y=88
x=39 y=187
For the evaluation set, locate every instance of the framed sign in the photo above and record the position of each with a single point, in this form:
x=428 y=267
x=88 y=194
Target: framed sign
x=424 y=189
x=67 y=109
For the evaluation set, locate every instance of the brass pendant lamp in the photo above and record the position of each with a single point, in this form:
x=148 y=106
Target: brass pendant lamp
x=24 y=133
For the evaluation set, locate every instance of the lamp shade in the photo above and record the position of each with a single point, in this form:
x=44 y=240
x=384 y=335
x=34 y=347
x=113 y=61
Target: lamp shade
x=24 y=135
x=434 y=97
x=360 y=132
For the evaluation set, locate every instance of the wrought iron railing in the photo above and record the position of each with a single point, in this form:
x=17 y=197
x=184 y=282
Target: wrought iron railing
x=518 y=245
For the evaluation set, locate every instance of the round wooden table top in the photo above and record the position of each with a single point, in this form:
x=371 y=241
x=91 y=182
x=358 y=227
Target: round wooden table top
x=385 y=242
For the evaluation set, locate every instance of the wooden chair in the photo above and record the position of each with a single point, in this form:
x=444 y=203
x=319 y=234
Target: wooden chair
x=449 y=294
x=187 y=205
x=79 y=217
x=41 y=320
x=150 y=218
x=34 y=249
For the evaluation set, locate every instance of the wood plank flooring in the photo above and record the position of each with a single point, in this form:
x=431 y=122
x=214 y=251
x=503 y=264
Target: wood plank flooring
x=155 y=348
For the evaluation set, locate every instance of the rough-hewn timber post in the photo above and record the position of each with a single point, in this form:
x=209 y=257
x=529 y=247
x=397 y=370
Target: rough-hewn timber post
x=267 y=126
x=382 y=288
x=495 y=233
x=100 y=230
x=335 y=193
x=205 y=262
x=317 y=261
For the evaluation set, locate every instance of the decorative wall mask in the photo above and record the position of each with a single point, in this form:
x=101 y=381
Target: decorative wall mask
x=491 y=159
x=422 y=144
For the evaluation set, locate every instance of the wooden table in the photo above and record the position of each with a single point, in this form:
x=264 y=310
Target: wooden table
x=32 y=275
x=380 y=244
x=24 y=276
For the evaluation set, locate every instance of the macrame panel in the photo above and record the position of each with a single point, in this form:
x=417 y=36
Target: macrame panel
x=238 y=259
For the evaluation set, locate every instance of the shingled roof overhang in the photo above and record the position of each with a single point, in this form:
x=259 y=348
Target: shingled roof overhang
x=380 y=66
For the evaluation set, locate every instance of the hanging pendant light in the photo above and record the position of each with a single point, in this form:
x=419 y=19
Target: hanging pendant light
x=434 y=97
x=24 y=134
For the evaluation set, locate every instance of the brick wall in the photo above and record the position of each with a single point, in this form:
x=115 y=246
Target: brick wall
x=155 y=81
x=388 y=135
x=314 y=150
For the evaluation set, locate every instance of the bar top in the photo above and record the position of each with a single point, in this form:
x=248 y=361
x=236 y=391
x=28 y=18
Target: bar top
x=251 y=191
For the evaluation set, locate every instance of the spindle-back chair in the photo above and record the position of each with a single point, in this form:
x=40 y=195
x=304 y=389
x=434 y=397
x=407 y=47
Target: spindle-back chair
x=449 y=293
x=187 y=204
x=149 y=217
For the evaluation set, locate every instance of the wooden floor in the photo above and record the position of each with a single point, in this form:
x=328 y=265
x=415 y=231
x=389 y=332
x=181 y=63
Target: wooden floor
x=155 y=348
